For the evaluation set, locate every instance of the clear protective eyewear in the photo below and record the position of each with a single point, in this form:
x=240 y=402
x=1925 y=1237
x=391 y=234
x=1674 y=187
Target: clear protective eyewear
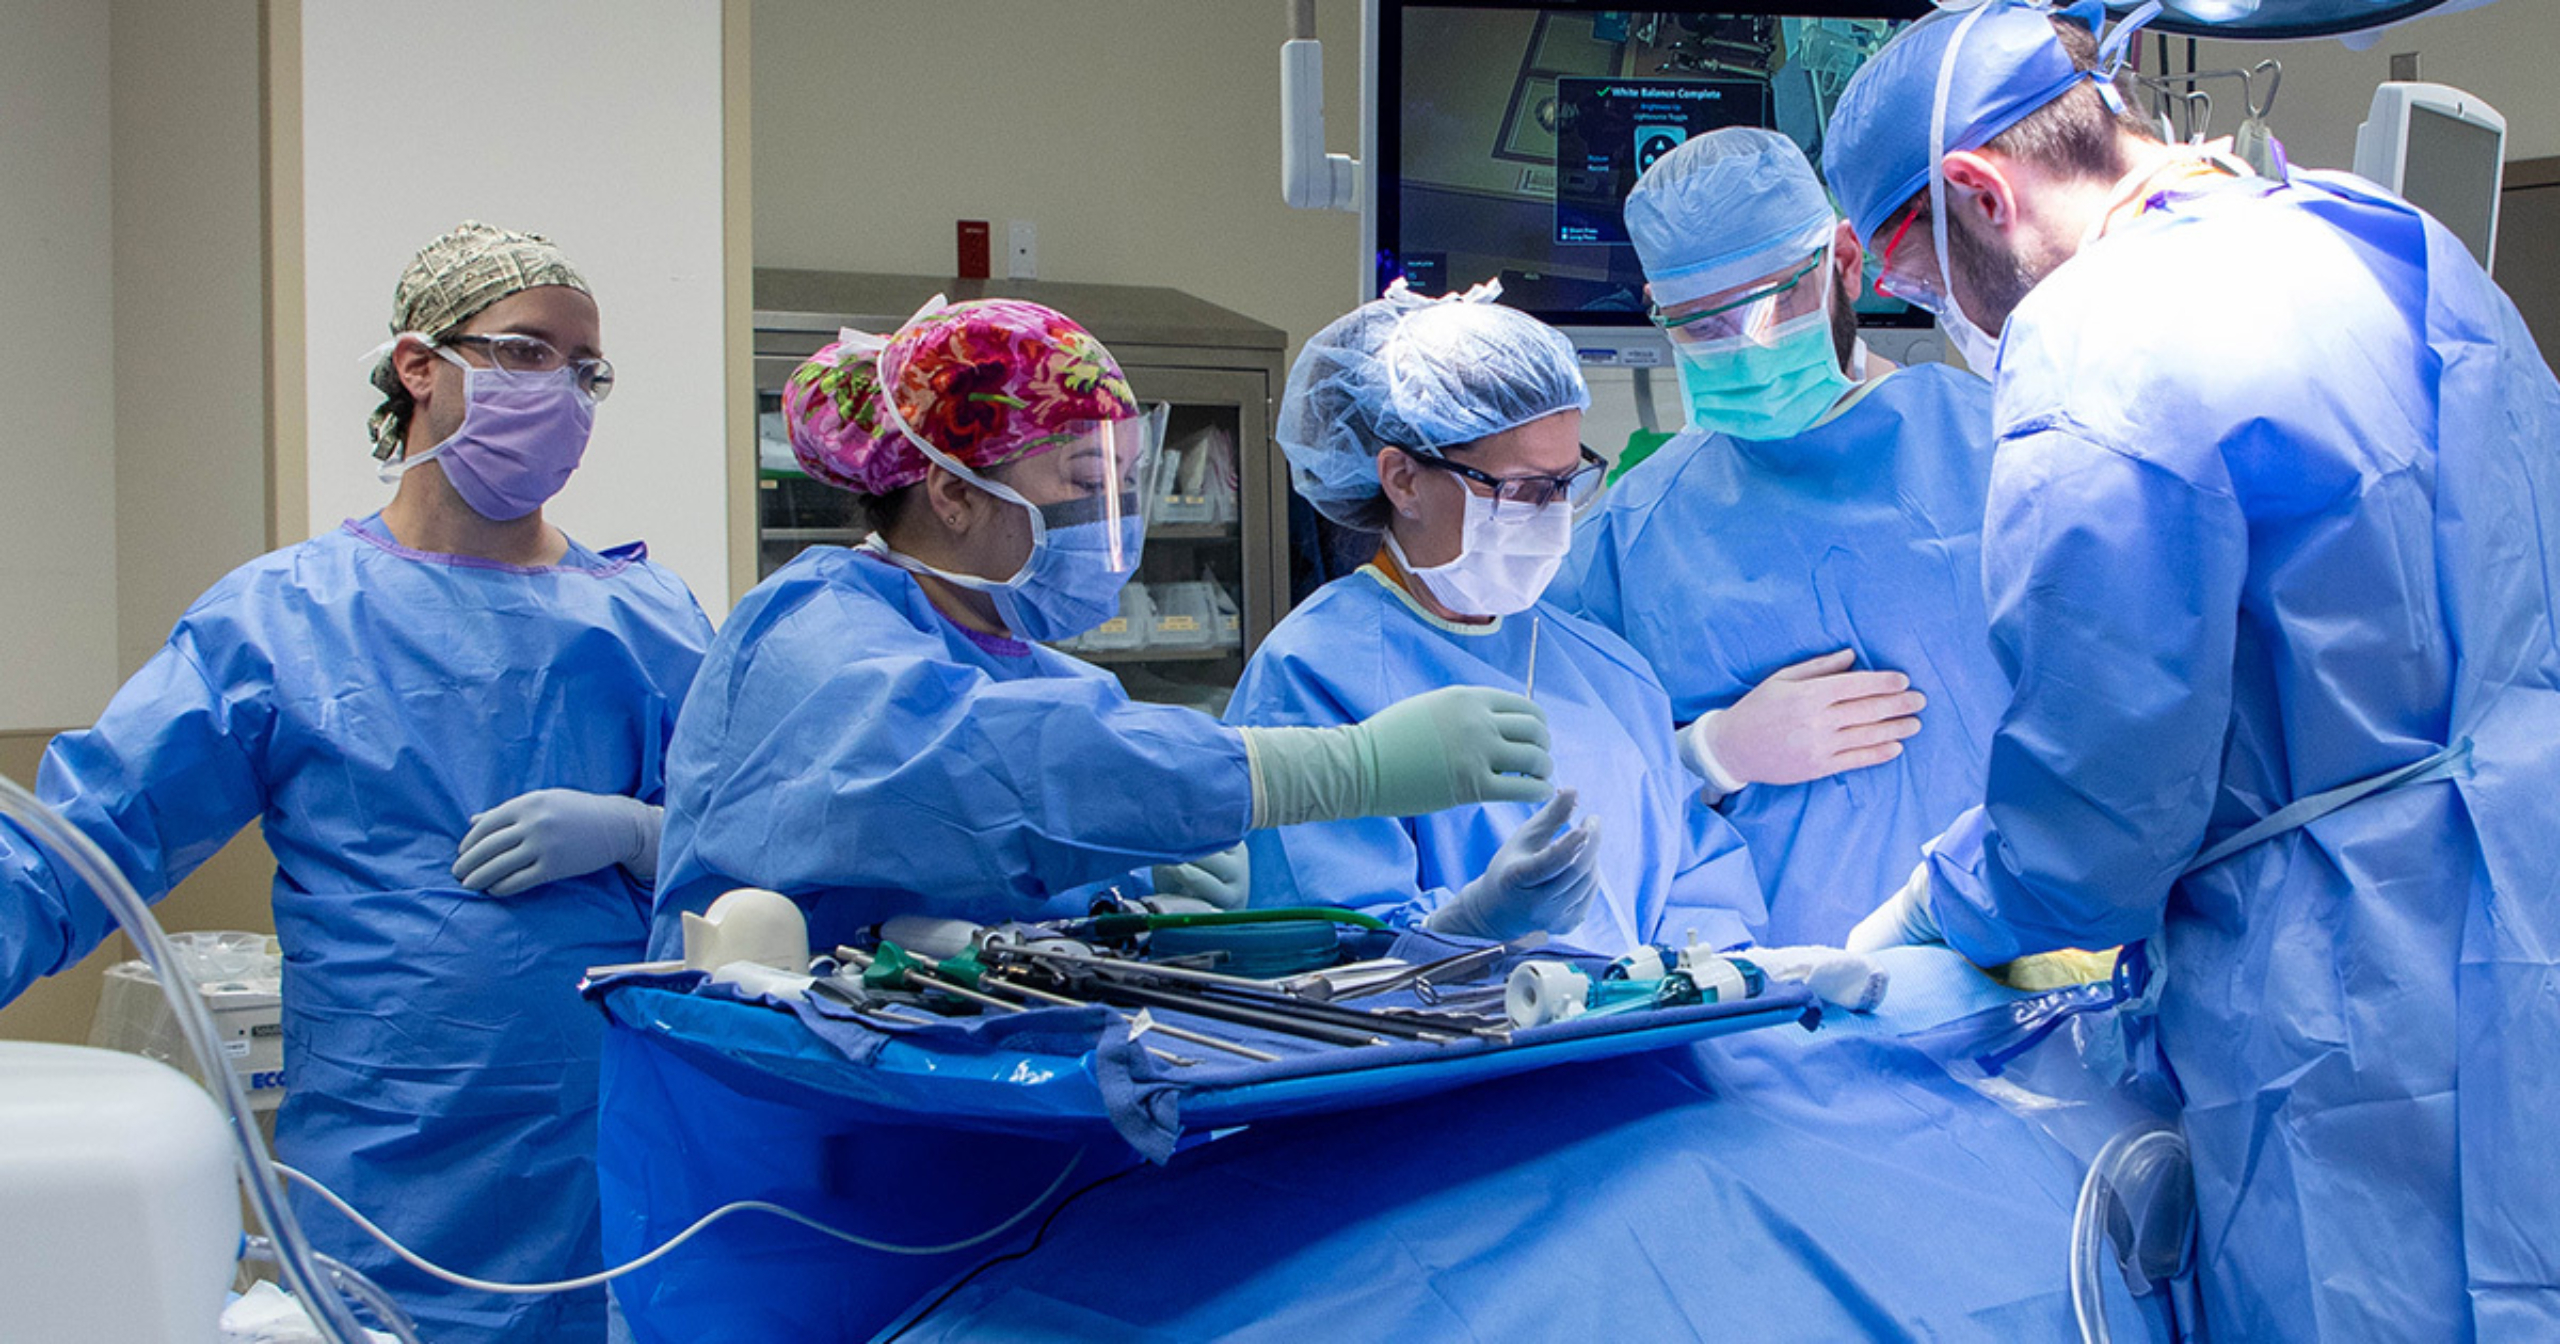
x=1111 y=467
x=519 y=353
x=1529 y=493
x=1901 y=277
x=1754 y=315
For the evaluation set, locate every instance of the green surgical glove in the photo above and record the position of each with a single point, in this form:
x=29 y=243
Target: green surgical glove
x=1437 y=750
x=1222 y=881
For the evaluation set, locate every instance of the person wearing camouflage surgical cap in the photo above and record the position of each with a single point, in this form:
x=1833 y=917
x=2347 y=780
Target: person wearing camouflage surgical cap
x=450 y=719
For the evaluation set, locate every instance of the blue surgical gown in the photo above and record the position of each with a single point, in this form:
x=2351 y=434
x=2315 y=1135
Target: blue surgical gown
x=1668 y=864
x=1723 y=560
x=2298 y=534
x=850 y=747
x=1835 y=1184
x=362 y=701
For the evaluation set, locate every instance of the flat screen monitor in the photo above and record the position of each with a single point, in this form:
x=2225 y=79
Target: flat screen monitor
x=1509 y=131
x=2442 y=150
x=2451 y=171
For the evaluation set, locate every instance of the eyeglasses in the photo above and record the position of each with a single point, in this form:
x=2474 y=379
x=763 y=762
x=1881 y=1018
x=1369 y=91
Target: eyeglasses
x=1528 y=492
x=518 y=353
x=1748 y=315
x=1924 y=291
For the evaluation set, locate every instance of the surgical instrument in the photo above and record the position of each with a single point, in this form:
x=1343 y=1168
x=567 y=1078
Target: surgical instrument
x=1211 y=987
x=1178 y=1033
x=1529 y=686
x=914 y=972
x=1463 y=966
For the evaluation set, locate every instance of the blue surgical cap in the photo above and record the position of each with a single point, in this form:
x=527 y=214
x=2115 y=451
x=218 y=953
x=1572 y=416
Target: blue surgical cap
x=1876 y=152
x=1728 y=207
x=1423 y=374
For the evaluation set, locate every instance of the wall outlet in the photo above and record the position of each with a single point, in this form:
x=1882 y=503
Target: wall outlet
x=1022 y=250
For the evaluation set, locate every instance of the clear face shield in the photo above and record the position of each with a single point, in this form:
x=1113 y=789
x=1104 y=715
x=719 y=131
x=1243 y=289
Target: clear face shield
x=1084 y=487
x=1097 y=474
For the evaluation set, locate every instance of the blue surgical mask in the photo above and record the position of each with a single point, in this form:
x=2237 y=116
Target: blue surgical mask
x=1083 y=551
x=1773 y=387
x=1075 y=576
x=1071 y=583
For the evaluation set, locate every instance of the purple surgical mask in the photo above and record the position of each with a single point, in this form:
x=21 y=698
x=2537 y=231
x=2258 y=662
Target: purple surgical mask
x=522 y=435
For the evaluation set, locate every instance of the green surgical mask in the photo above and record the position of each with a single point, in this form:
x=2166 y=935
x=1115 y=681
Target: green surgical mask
x=1775 y=388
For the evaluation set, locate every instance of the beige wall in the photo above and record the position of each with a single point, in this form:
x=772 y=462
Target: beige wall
x=167 y=110
x=57 y=366
x=2502 y=53
x=190 y=368
x=1141 y=136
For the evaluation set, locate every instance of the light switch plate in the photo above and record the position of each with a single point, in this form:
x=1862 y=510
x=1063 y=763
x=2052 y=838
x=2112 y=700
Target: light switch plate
x=1022 y=250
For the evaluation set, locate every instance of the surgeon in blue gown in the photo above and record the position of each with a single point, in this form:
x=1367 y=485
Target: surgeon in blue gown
x=1778 y=1184
x=2288 y=532
x=450 y=719
x=1471 y=480
x=880 y=730
x=1801 y=565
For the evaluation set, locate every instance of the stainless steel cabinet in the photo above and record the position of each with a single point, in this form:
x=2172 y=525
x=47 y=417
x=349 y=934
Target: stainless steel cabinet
x=1215 y=578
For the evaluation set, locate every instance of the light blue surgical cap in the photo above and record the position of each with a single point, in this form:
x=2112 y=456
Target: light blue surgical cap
x=1876 y=152
x=1417 y=373
x=1727 y=207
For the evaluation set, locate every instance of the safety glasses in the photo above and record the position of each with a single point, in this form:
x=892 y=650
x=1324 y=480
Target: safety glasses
x=1528 y=493
x=518 y=353
x=1751 y=316
x=1912 y=275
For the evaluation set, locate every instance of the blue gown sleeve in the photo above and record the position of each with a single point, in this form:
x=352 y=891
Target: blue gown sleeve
x=164 y=780
x=2115 y=588
x=917 y=775
x=1717 y=892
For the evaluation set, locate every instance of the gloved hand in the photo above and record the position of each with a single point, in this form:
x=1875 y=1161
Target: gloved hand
x=549 y=834
x=1458 y=744
x=1423 y=754
x=1814 y=719
x=1842 y=978
x=1223 y=880
x=1543 y=877
x=1904 y=921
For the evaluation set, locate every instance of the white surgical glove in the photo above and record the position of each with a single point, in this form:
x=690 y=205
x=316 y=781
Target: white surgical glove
x=550 y=834
x=1814 y=719
x=1849 y=980
x=1904 y=921
x=1222 y=881
x=1543 y=877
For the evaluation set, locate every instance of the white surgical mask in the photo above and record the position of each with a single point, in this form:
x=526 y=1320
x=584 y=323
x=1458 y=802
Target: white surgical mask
x=1505 y=559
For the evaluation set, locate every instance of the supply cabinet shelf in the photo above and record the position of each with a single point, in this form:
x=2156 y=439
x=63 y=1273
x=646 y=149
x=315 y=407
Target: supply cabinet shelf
x=1215 y=575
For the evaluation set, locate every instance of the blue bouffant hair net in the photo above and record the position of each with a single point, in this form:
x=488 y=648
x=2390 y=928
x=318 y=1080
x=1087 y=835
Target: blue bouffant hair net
x=1725 y=208
x=1428 y=375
